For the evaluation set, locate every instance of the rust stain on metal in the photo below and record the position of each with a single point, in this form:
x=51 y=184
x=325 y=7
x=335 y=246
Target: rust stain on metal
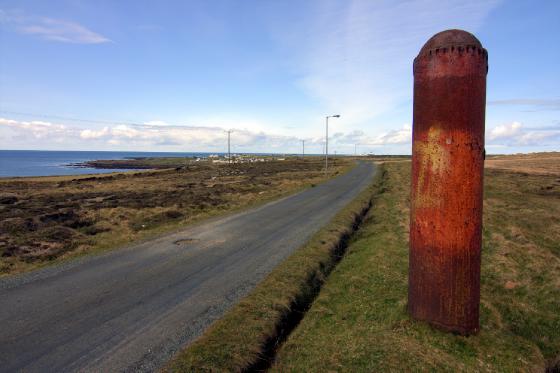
x=447 y=170
x=434 y=159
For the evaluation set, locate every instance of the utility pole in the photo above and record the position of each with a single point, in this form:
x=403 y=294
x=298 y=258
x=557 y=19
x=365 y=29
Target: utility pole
x=355 y=146
x=302 y=149
x=228 y=144
x=327 y=147
x=327 y=142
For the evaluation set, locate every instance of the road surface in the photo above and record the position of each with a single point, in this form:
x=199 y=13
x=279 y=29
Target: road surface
x=131 y=309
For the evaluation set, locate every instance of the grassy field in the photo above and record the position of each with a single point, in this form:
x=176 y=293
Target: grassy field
x=547 y=164
x=359 y=322
x=48 y=219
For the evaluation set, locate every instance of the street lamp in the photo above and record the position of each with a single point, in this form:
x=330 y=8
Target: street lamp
x=327 y=141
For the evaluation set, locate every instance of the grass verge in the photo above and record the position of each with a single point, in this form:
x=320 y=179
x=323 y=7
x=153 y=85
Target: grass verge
x=249 y=333
x=359 y=322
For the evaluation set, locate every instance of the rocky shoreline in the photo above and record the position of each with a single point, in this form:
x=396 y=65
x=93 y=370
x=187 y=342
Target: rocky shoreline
x=140 y=163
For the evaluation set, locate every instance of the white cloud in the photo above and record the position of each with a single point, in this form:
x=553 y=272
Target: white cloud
x=393 y=137
x=401 y=136
x=92 y=134
x=126 y=131
x=204 y=138
x=514 y=134
x=147 y=136
x=535 y=138
x=156 y=123
x=51 y=29
x=37 y=129
x=507 y=130
x=8 y=122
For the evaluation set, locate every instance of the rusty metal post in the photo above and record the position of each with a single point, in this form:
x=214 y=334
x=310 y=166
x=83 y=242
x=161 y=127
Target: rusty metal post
x=447 y=170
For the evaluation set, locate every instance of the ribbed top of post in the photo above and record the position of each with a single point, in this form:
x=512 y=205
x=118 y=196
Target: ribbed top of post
x=451 y=39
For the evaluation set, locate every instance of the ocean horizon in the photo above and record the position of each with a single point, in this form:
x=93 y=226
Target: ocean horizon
x=17 y=163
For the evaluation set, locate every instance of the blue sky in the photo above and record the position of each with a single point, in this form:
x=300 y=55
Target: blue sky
x=173 y=75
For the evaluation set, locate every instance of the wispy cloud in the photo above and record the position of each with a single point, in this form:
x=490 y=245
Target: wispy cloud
x=394 y=137
x=356 y=56
x=542 y=104
x=51 y=29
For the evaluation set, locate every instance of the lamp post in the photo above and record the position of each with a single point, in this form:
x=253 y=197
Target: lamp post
x=327 y=142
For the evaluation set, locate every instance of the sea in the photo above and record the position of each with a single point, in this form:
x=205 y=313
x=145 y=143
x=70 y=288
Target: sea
x=50 y=163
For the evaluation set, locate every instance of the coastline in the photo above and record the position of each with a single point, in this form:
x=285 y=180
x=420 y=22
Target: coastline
x=40 y=163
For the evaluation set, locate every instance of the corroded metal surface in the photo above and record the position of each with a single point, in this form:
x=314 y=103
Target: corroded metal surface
x=447 y=170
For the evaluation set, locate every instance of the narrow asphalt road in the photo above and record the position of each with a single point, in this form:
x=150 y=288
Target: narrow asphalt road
x=131 y=309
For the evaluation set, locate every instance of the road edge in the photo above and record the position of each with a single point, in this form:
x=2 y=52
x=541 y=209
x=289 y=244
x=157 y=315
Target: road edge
x=247 y=336
x=64 y=263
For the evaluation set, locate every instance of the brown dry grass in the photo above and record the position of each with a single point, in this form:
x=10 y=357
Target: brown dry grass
x=535 y=163
x=46 y=219
x=359 y=320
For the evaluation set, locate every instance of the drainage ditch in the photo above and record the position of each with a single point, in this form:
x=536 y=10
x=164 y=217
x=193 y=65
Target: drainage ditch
x=305 y=299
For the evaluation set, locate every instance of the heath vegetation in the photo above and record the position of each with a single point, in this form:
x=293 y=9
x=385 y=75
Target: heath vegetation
x=44 y=219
